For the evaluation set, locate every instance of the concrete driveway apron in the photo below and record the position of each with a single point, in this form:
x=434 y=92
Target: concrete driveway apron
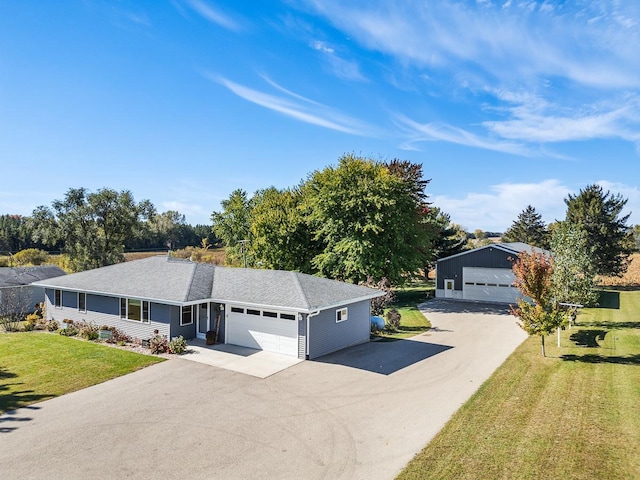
x=358 y=414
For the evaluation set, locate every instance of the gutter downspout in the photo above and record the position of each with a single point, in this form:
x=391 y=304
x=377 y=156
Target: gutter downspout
x=312 y=314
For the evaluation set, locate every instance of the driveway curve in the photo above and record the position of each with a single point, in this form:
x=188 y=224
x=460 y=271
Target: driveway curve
x=358 y=414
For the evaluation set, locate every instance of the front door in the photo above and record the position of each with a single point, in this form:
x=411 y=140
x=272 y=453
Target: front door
x=203 y=320
x=448 y=288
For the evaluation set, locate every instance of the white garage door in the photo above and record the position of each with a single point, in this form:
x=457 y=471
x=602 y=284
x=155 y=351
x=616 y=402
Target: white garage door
x=263 y=330
x=489 y=285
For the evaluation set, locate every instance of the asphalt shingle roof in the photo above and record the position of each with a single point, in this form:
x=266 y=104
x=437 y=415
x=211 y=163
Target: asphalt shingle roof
x=14 y=276
x=181 y=281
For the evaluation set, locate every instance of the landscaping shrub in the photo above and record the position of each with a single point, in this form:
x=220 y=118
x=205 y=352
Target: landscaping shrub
x=10 y=323
x=393 y=317
x=88 y=331
x=70 y=331
x=159 y=344
x=177 y=345
x=119 y=337
x=52 y=326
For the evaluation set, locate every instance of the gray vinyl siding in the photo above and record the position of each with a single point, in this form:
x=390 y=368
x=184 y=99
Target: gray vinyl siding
x=451 y=268
x=302 y=337
x=104 y=310
x=326 y=336
x=187 y=331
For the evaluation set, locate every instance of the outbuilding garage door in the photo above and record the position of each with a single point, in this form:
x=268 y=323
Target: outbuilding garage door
x=263 y=330
x=489 y=285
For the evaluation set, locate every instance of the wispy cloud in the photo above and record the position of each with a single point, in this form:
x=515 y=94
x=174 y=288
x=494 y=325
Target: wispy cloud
x=436 y=131
x=340 y=67
x=532 y=119
x=509 y=41
x=299 y=108
x=213 y=15
x=497 y=209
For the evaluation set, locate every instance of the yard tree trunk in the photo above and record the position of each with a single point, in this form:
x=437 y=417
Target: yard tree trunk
x=543 y=353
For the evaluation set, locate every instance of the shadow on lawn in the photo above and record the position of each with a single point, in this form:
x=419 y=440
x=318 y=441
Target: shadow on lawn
x=12 y=400
x=592 y=358
x=612 y=325
x=588 y=338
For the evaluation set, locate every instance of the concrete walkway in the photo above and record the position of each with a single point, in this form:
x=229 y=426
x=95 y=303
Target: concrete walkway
x=358 y=414
x=249 y=361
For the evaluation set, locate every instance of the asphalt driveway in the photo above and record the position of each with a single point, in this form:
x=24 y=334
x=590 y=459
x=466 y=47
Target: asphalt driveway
x=357 y=414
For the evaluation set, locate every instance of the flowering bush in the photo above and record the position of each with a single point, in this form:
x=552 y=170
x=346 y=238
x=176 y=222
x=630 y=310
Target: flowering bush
x=177 y=345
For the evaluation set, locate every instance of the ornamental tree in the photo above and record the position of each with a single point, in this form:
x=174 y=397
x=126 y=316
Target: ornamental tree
x=539 y=314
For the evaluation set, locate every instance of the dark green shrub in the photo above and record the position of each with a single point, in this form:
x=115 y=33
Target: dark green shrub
x=177 y=345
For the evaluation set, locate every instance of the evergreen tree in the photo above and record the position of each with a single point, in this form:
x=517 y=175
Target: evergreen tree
x=608 y=236
x=528 y=228
x=446 y=238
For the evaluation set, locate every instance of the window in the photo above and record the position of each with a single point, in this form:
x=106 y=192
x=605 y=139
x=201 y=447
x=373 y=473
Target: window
x=57 y=298
x=186 y=317
x=82 y=302
x=287 y=316
x=253 y=312
x=237 y=310
x=134 y=309
x=342 y=315
x=270 y=314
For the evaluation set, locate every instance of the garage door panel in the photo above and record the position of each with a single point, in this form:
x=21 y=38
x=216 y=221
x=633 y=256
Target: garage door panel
x=263 y=333
x=489 y=285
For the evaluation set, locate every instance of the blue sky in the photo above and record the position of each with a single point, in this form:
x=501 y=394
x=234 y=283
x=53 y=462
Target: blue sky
x=504 y=103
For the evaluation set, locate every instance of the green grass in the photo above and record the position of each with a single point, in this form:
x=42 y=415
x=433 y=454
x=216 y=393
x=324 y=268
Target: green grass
x=407 y=300
x=572 y=415
x=38 y=366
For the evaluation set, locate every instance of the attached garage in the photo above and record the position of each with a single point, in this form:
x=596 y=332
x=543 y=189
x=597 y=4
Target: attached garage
x=290 y=313
x=483 y=274
x=263 y=329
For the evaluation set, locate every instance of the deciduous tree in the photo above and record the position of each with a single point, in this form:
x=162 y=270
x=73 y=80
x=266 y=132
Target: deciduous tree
x=94 y=227
x=280 y=234
x=233 y=225
x=367 y=219
x=539 y=314
x=573 y=278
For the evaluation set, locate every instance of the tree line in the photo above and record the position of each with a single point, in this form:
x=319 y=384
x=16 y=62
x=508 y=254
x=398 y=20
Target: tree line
x=360 y=220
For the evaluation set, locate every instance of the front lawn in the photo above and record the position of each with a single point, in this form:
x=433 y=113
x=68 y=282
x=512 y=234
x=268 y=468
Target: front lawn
x=406 y=302
x=572 y=415
x=37 y=366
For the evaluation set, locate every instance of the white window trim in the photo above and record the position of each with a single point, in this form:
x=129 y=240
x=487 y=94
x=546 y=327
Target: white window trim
x=342 y=315
x=126 y=314
x=181 y=317
x=55 y=304
x=83 y=310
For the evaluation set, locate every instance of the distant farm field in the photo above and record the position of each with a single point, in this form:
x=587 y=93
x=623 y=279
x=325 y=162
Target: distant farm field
x=215 y=256
x=630 y=279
